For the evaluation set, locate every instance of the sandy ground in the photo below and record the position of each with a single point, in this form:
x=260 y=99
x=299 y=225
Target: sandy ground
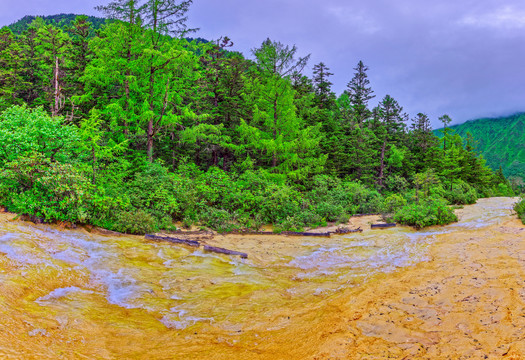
x=468 y=302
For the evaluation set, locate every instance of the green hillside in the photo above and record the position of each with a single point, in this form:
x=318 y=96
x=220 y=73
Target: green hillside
x=501 y=141
x=60 y=20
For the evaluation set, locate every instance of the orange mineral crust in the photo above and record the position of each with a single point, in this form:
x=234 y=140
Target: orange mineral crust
x=452 y=292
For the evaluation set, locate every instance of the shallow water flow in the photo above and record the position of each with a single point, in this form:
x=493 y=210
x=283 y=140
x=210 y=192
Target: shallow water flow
x=72 y=294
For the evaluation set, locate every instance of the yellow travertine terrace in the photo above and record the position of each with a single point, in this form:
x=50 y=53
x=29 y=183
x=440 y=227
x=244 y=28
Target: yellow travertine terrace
x=445 y=292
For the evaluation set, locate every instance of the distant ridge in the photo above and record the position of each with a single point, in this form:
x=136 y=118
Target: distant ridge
x=60 y=20
x=64 y=21
x=500 y=140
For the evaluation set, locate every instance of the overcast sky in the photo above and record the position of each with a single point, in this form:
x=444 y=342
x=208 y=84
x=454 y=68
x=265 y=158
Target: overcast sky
x=465 y=58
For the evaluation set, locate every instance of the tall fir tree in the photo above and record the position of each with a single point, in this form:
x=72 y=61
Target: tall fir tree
x=360 y=93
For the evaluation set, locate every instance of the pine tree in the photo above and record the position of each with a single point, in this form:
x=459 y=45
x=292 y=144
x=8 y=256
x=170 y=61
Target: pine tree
x=323 y=92
x=360 y=93
x=389 y=127
x=12 y=69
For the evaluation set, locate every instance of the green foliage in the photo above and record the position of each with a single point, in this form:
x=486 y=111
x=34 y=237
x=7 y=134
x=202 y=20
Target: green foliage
x=499 y=140
x=63 y=21
x=135 y=222
x=461 y=194
x=393 y=203
x=33 y=185
x=24 y=131
x=425 y=214
x=136 y=128
x=519 y=207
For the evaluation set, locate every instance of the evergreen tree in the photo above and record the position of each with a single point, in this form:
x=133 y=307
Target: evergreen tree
x=360 y=93
x=389 y=127
x=12 y=69
x=323 y=92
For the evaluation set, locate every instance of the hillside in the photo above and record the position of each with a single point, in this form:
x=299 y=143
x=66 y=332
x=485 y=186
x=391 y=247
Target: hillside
x=501 y=141
x=60 y=20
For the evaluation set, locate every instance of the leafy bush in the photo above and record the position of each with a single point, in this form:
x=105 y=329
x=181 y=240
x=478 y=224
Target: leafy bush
x=519 y=207
x=393 y=202
x=425 y=214
x=35 y=186
x=24 y=131
x=151 y=190
x=135 y=222
x=461 y=194
x=217 y=219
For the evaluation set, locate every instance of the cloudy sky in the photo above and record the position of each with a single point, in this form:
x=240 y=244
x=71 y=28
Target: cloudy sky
x=465 y=58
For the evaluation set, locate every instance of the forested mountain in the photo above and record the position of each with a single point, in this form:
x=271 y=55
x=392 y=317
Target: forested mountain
x=136 y=126
x=501 y=141
x=62 y=21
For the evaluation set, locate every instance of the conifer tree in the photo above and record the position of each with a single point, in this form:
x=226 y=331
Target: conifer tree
x=277 y=63
x=389 y=127
x=322 y=86
x=360 y=93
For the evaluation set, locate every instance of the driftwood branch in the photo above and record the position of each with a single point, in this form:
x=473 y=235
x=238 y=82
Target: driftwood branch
x=224 y=251
x=348 y=231
x=382 y=226
x=192 y=243
x=294 y=233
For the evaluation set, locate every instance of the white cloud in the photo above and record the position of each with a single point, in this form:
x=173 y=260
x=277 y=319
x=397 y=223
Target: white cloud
x=358 y=20
x=503 y=18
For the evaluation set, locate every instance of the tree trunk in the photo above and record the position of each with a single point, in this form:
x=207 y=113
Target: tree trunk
x=126 y=106
x=57 y=90
x=274 y=160
x=94 y=164
x=382 y=167
x=173 y=151
x=150 y=140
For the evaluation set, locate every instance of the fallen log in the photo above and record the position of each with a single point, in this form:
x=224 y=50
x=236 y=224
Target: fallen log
x=347 y=231
x=182 y=232
x=248 y=232
x=382 y=226
x=225 y=251
x=192 y=243
x=294 y=233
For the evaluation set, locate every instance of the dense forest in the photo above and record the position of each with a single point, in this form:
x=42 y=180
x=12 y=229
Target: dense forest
x=500 y=141
x=63 y=21
x=135 y=127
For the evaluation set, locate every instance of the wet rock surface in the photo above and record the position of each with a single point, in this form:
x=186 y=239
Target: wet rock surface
x=454 y=292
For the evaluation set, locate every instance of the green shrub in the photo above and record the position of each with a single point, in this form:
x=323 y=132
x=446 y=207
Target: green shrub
x=461 y=194
x=217 y=219
x=135 y=222
x=24 y=131
x=504 y=190
x=35 y=186
x=152 y=190
x=519 y=207
x=393 y=202
x=433 y=212
x=329 y=211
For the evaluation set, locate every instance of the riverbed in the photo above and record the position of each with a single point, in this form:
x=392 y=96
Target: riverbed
x=452 y=292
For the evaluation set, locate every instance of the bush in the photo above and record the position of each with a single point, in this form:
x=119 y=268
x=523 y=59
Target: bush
x=151 y=190
x=24 y=131
x=35 y=186
x=433 y=212
x=393 y=202
x=217 y=219
x=461 y=194
x=519 y=207
x=135 y=222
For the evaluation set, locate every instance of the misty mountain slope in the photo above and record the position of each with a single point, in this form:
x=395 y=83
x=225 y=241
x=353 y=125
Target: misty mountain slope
x=501 y=141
